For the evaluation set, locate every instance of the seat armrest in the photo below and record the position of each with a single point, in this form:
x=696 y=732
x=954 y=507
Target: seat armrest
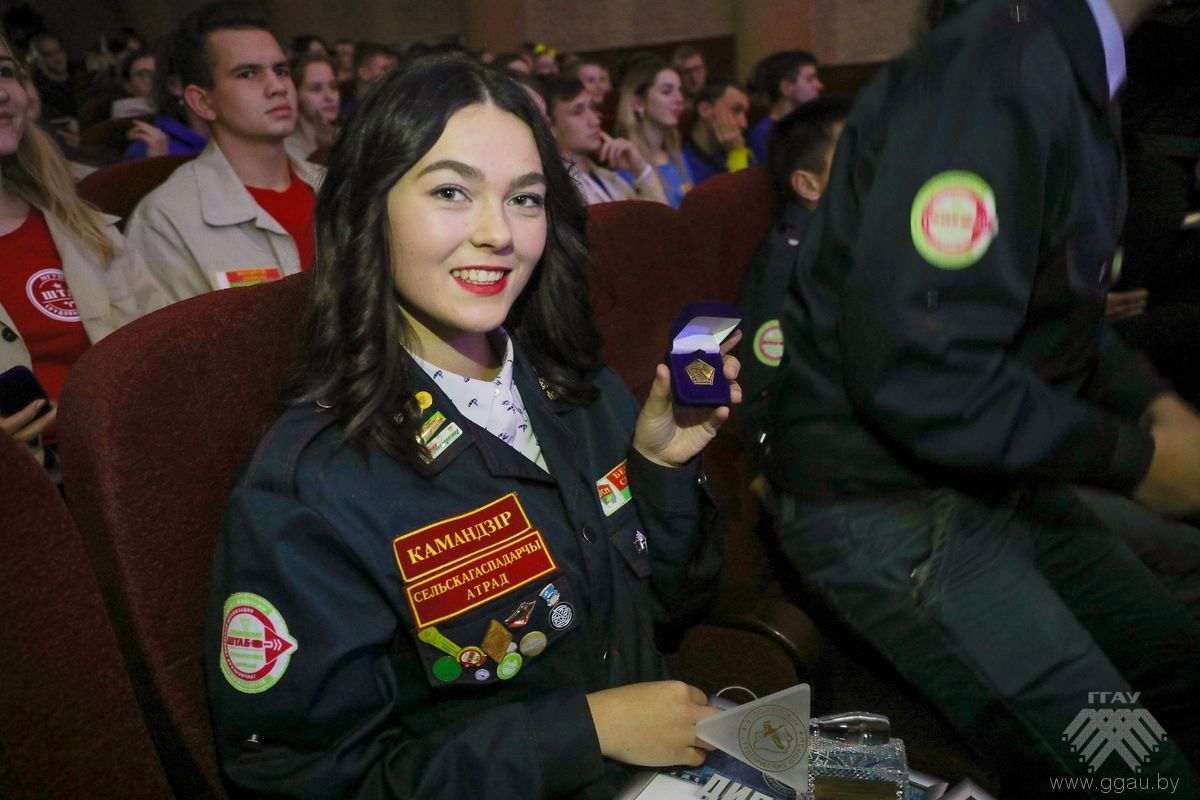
x=782 y=623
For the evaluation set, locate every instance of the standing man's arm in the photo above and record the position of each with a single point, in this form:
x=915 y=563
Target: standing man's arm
x=959 y=206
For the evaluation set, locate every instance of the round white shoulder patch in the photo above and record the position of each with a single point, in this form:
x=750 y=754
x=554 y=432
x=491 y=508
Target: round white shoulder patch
x=255 y=645
x=953 y=219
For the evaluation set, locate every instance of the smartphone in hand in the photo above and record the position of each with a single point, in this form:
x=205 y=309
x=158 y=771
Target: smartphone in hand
x=18 y=388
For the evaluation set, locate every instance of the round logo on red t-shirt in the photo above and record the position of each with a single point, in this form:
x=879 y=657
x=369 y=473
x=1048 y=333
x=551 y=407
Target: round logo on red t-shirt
x=47 y=290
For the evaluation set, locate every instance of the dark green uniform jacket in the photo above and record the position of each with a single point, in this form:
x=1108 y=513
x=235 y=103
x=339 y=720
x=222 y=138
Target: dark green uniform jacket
x=380 y=632
x=944 y=324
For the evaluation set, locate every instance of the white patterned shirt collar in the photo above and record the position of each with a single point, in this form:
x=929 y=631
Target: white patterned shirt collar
x=494 y=405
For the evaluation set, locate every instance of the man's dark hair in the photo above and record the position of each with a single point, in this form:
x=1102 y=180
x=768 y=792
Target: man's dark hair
x=166 y=70
x=126 y=68
x=801 y=140
x=300 y=44
x=115 y=40
x=777 y=67
x=191 y=55
x=682 y=53
x=36 y=42
x=714 y=89
x=365 y=51
x=352 y=353
x=559 y=89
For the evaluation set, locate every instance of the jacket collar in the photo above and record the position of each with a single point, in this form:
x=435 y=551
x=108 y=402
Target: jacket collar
x=224 y=200
x=1075 y=26
x=500 y=458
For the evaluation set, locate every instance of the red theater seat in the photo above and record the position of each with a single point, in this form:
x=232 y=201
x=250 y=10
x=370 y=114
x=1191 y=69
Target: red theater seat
x=154 y=423
x=118 y=188
x=70 y=726
x=730 y=214
x=648 y=268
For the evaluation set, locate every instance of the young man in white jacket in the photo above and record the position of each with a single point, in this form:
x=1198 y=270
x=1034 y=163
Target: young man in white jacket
x=241 y=213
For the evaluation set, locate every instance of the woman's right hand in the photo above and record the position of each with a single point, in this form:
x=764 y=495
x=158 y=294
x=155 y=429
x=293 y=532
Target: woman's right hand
x=651 y=724
x=153 y=136
x=23 y=427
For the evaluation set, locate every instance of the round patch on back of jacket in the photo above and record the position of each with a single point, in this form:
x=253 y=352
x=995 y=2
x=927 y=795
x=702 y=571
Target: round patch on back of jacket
x=255 y=645
x=768 y=343
x=953 y=219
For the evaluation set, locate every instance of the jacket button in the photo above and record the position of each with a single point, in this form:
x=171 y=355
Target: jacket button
x=586 y=533
x=9 y=335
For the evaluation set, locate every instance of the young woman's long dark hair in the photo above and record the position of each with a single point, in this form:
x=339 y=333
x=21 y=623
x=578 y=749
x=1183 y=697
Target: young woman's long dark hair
x=351 y=358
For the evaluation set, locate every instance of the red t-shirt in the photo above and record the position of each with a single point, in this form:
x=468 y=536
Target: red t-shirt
x=34 y=292
x=293 y=209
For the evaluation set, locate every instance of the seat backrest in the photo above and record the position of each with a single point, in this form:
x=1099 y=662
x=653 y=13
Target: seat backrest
x=320 y=155
x=647 y=269
x=648 y=266
x=70 y=726
x=153 y=425
x=730 y=214
x=109 y=136
x=117 y=188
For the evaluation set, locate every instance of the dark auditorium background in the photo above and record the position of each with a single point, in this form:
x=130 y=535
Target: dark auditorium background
x=733 y=34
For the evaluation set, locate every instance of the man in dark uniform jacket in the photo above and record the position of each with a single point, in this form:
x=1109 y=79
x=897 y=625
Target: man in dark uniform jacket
x=948 y=386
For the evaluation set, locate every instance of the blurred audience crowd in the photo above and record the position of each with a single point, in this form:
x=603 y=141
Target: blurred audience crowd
x=262 y=119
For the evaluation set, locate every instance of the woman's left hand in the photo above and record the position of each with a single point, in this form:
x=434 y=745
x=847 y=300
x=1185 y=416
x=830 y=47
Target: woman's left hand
x=671 y=435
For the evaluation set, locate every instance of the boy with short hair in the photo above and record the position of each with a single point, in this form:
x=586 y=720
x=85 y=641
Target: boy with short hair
x=241 y=212
x=788 y=79
x=717 y=143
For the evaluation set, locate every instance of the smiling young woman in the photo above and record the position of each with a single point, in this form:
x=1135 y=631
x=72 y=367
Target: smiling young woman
x=440 y=573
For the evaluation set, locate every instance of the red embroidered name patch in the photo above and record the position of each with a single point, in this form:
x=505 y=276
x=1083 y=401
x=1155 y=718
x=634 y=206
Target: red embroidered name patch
x=233 y=278
x=480 y=579
x=434 y=547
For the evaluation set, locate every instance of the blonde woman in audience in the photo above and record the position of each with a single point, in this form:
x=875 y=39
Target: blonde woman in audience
x=68 y=278
x=648 y=112
x=317 y=104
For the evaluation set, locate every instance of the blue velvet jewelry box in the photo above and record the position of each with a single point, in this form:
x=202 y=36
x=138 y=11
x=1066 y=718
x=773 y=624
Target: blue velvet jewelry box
x=697 y=371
